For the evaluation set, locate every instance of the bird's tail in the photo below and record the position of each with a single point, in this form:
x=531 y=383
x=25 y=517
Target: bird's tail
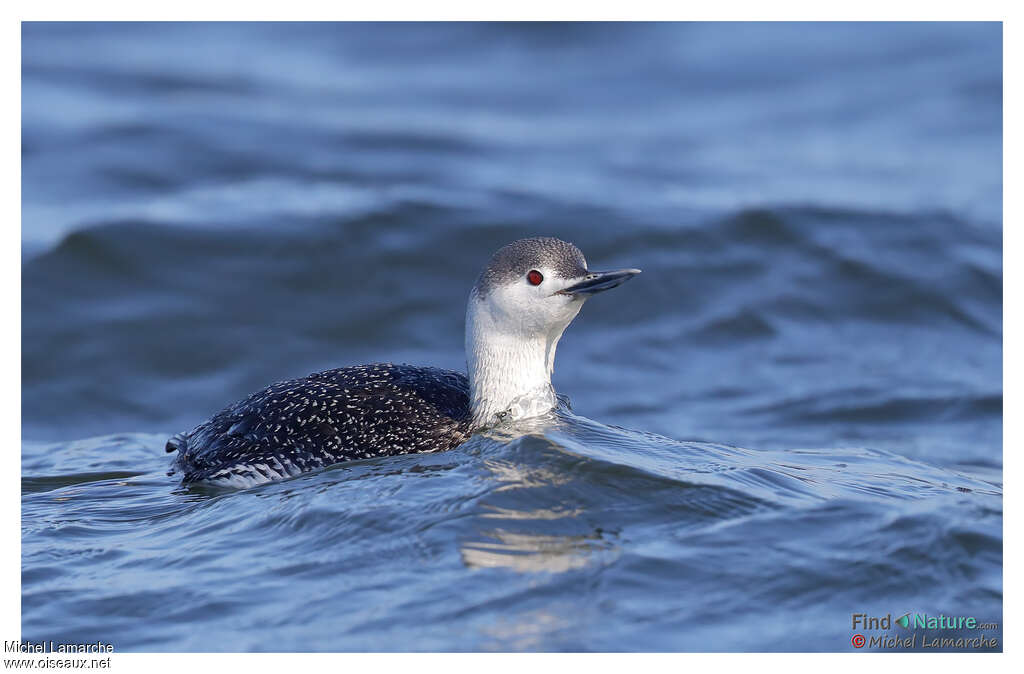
x=178 y=441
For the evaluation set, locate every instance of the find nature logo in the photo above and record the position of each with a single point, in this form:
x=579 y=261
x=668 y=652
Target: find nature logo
x=925 y=639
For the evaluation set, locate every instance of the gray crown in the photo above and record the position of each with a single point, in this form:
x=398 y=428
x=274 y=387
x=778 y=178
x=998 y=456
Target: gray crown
x=514 y=260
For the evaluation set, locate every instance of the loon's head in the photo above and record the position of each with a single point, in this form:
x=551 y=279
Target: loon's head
x=522 y=302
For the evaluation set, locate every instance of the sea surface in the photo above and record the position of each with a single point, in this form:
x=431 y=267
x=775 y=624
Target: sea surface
x=792 y=416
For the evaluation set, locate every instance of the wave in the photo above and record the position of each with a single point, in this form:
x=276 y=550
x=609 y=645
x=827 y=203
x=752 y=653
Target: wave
x=555 y=504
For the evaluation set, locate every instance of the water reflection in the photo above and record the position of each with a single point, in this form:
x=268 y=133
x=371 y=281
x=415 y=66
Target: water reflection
x=531 y=552
x=544 y=528
x=526 y=631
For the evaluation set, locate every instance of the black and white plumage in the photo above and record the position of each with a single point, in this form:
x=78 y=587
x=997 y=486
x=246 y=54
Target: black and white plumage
x=518 y=308
x=295 y=426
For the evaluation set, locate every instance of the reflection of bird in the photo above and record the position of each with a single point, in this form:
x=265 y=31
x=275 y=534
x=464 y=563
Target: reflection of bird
x=518 y=308
x=527 y=552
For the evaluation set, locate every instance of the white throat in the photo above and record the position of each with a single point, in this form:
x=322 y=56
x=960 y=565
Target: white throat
x=510 y=363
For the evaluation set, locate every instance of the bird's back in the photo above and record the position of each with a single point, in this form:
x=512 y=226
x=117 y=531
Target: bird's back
x=328 y=417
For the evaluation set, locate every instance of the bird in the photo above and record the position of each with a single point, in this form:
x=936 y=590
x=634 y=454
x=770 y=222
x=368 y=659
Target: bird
x=523 y=300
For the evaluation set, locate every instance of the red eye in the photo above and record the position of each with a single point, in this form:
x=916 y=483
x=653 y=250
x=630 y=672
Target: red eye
x=535 y=277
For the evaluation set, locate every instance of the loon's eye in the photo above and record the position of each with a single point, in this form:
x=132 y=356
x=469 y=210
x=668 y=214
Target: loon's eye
x=535 y=277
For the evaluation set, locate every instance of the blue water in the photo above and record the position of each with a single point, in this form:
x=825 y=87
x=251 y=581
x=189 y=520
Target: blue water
x=810 y=363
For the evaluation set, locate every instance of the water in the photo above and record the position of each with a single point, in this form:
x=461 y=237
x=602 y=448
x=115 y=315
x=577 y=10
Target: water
x=817 y=211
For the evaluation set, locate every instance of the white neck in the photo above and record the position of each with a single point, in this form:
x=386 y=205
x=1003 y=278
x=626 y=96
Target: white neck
x=509 y=365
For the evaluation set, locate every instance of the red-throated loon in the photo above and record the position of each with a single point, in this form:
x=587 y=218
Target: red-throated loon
x=521 y=303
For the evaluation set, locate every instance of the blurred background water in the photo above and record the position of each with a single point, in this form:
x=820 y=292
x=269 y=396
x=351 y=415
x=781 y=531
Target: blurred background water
x=208 y=208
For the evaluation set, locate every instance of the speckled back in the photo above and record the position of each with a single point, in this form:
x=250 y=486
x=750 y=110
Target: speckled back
x=325 y=418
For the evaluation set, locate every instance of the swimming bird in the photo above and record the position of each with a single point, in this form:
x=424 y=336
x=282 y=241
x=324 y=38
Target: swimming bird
x=518 y=309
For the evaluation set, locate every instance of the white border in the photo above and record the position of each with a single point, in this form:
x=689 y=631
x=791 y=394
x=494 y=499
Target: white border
x=10 y=409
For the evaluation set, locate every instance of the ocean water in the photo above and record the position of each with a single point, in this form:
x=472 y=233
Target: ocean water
x=792 y=416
